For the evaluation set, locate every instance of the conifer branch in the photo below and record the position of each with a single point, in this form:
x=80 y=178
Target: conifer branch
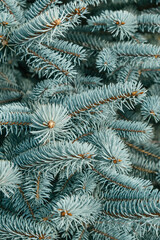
x=14 y=9
x=29 y=207
x=38 y=7
x=104 y=95
x=50 y=21
x=142 y=150
x=79 y=118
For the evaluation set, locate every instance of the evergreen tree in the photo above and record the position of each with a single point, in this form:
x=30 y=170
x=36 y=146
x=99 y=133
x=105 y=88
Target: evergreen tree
x=79 y=119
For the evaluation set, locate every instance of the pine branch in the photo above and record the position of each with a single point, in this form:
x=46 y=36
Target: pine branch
x=97 y=97
x=13 y=120
x=62 y=156
x=10 y=178
x=38 y=7
x=149 y=23
x=144 y=151
x=20 y=228
x=121 y=180
x=47 y=63
x=138 y=131
x=52 y=22
x=14 y=9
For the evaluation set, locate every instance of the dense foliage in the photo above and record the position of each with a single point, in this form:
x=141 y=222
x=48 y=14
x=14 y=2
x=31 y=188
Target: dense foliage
x=79 y=119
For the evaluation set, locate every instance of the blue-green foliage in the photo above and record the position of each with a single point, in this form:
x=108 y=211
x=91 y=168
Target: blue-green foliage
x=101 y=231
x=75 y=157
x=68 y=50
x=119 y=23
x=149 y=23
x=14 y=9
x=122 y=54
x=79 y=119
x=120 y=94
x=151 y=108
x=14 y=116
x=51 y=89
x=48 y=63
x=82 y=208
x=111 y=151
x=139 y=207
x=21 y=228
x=138 y=131
x=37 y=188
x=9 y=177
x=41 y=27
x=106 y=60
x=39 y=7
x=128 y=73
